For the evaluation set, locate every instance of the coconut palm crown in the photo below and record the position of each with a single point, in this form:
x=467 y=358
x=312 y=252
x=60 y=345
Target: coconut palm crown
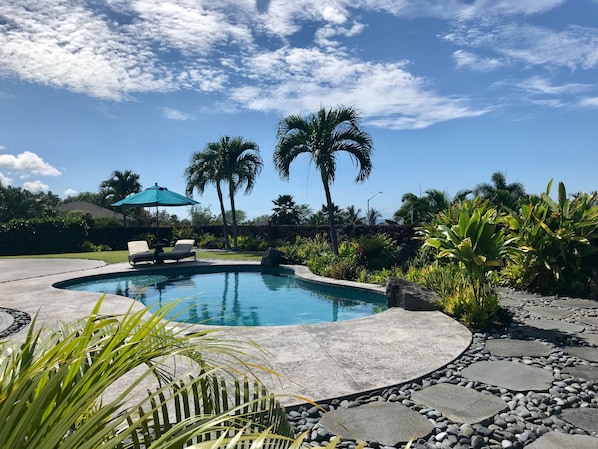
x=322 y=136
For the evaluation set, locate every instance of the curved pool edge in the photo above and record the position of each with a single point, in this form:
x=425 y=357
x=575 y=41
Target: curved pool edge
x=318 y=361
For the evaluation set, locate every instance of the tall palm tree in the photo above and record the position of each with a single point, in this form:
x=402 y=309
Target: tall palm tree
x=242 y=164
x=119 y=186
x=205 y=168
x=500 y=193
x=234 y=161
x=322 y=136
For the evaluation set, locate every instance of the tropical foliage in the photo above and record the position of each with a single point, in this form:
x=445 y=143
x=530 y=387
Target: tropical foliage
x=285 y=211
x=231 y=161
x=421 y=209
x=499 y=193
x=81 y=386
x=475 y=241
x=322 y=136
x=204 y=169
x=558 y=239
x=119 y=186
x=17 y=203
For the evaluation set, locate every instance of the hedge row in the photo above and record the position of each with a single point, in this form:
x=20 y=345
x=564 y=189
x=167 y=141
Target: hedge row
x=42 y=236
x=62 y=235
x=117 y=238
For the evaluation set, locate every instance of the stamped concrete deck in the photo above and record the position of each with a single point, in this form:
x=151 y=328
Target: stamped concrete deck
x=317 y=362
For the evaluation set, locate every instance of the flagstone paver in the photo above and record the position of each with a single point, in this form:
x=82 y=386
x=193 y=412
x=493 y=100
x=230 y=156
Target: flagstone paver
x=512 y=375
x=584 y=372
x=460 y=404
x=584 y=418
x=549 y=312
x=583 y=352
x=6 y=320
x=590 y=320
x=576 y=303
x=388 y=423
x=555 y=325
x=589 y=338
x=509 y=347
x=555 y=440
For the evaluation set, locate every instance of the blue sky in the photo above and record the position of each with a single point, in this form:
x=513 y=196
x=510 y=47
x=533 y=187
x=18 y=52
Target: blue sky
x=450 y=91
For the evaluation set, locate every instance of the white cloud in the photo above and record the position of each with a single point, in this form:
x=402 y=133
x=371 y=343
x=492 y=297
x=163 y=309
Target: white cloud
x=472 y=61
x=36 y=186
x=541 y=85
x=29 y=163
x=174 y=114
x=5 y=180
x=386 y=94
x=589 y=101
x=195 y=27
x=70 y=192
x=573 y=48
x=66 y=45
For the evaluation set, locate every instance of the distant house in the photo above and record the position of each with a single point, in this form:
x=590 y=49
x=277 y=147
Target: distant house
x=93 y=209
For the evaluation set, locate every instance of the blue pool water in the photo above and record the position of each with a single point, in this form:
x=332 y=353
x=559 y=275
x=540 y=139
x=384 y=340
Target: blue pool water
x=238 y=298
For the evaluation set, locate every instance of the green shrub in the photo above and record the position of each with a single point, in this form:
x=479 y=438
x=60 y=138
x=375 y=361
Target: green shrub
x=380 y=276
x=378 y=250
x=90 y=247
x=558 y=242
x=207 y=240
x=185 y=232
x=251 y=243
x=465 y=306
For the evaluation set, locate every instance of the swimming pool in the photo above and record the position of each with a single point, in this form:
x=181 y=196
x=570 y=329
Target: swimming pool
x=248 y=296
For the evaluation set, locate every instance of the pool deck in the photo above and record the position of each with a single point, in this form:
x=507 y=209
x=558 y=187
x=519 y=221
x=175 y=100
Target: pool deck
x=318 y=361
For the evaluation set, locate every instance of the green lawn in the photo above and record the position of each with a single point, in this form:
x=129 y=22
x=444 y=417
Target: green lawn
x=121 y=256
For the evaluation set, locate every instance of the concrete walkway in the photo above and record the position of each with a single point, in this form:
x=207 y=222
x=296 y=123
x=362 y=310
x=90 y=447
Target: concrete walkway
x=316 y=362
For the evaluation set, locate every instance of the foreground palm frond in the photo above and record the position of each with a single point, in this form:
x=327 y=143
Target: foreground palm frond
x=80 y=386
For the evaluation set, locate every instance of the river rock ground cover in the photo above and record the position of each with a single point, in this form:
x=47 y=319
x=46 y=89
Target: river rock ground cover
x=533 y=384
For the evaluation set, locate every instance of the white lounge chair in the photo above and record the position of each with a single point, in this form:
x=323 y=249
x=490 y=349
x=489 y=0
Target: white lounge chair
x=139 y=252
x=182 y=249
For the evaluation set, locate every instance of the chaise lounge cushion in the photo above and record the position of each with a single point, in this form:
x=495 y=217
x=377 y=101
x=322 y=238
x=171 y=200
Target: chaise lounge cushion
x=139 y=252
x=181 y=250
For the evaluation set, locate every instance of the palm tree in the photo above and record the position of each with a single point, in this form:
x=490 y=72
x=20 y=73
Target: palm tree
x=499 y=193
x=119 y=186
x=420 y=209
x=373 y=215
x=233 y=161
x=352 y=216
x=205 y=168
x=242 y=164
x=285 y=211
x=322 y=135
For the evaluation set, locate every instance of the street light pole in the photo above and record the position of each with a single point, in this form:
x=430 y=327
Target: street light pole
x=368 y=215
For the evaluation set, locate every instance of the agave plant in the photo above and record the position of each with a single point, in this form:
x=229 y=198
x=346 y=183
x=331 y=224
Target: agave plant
x=54 y=384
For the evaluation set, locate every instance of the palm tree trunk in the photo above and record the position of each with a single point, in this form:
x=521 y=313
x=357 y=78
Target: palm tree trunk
x=233 y=213
x=333 y=236
x=223 y=212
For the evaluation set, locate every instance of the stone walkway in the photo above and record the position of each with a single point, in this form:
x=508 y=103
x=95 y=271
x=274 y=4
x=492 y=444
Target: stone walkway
x=534 y=386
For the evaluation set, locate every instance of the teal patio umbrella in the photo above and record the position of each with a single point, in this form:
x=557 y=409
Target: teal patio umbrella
x=156 y=196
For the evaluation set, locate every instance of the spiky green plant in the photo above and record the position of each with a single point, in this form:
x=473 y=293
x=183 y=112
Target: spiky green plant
x=476 y=241
x=54 y=384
